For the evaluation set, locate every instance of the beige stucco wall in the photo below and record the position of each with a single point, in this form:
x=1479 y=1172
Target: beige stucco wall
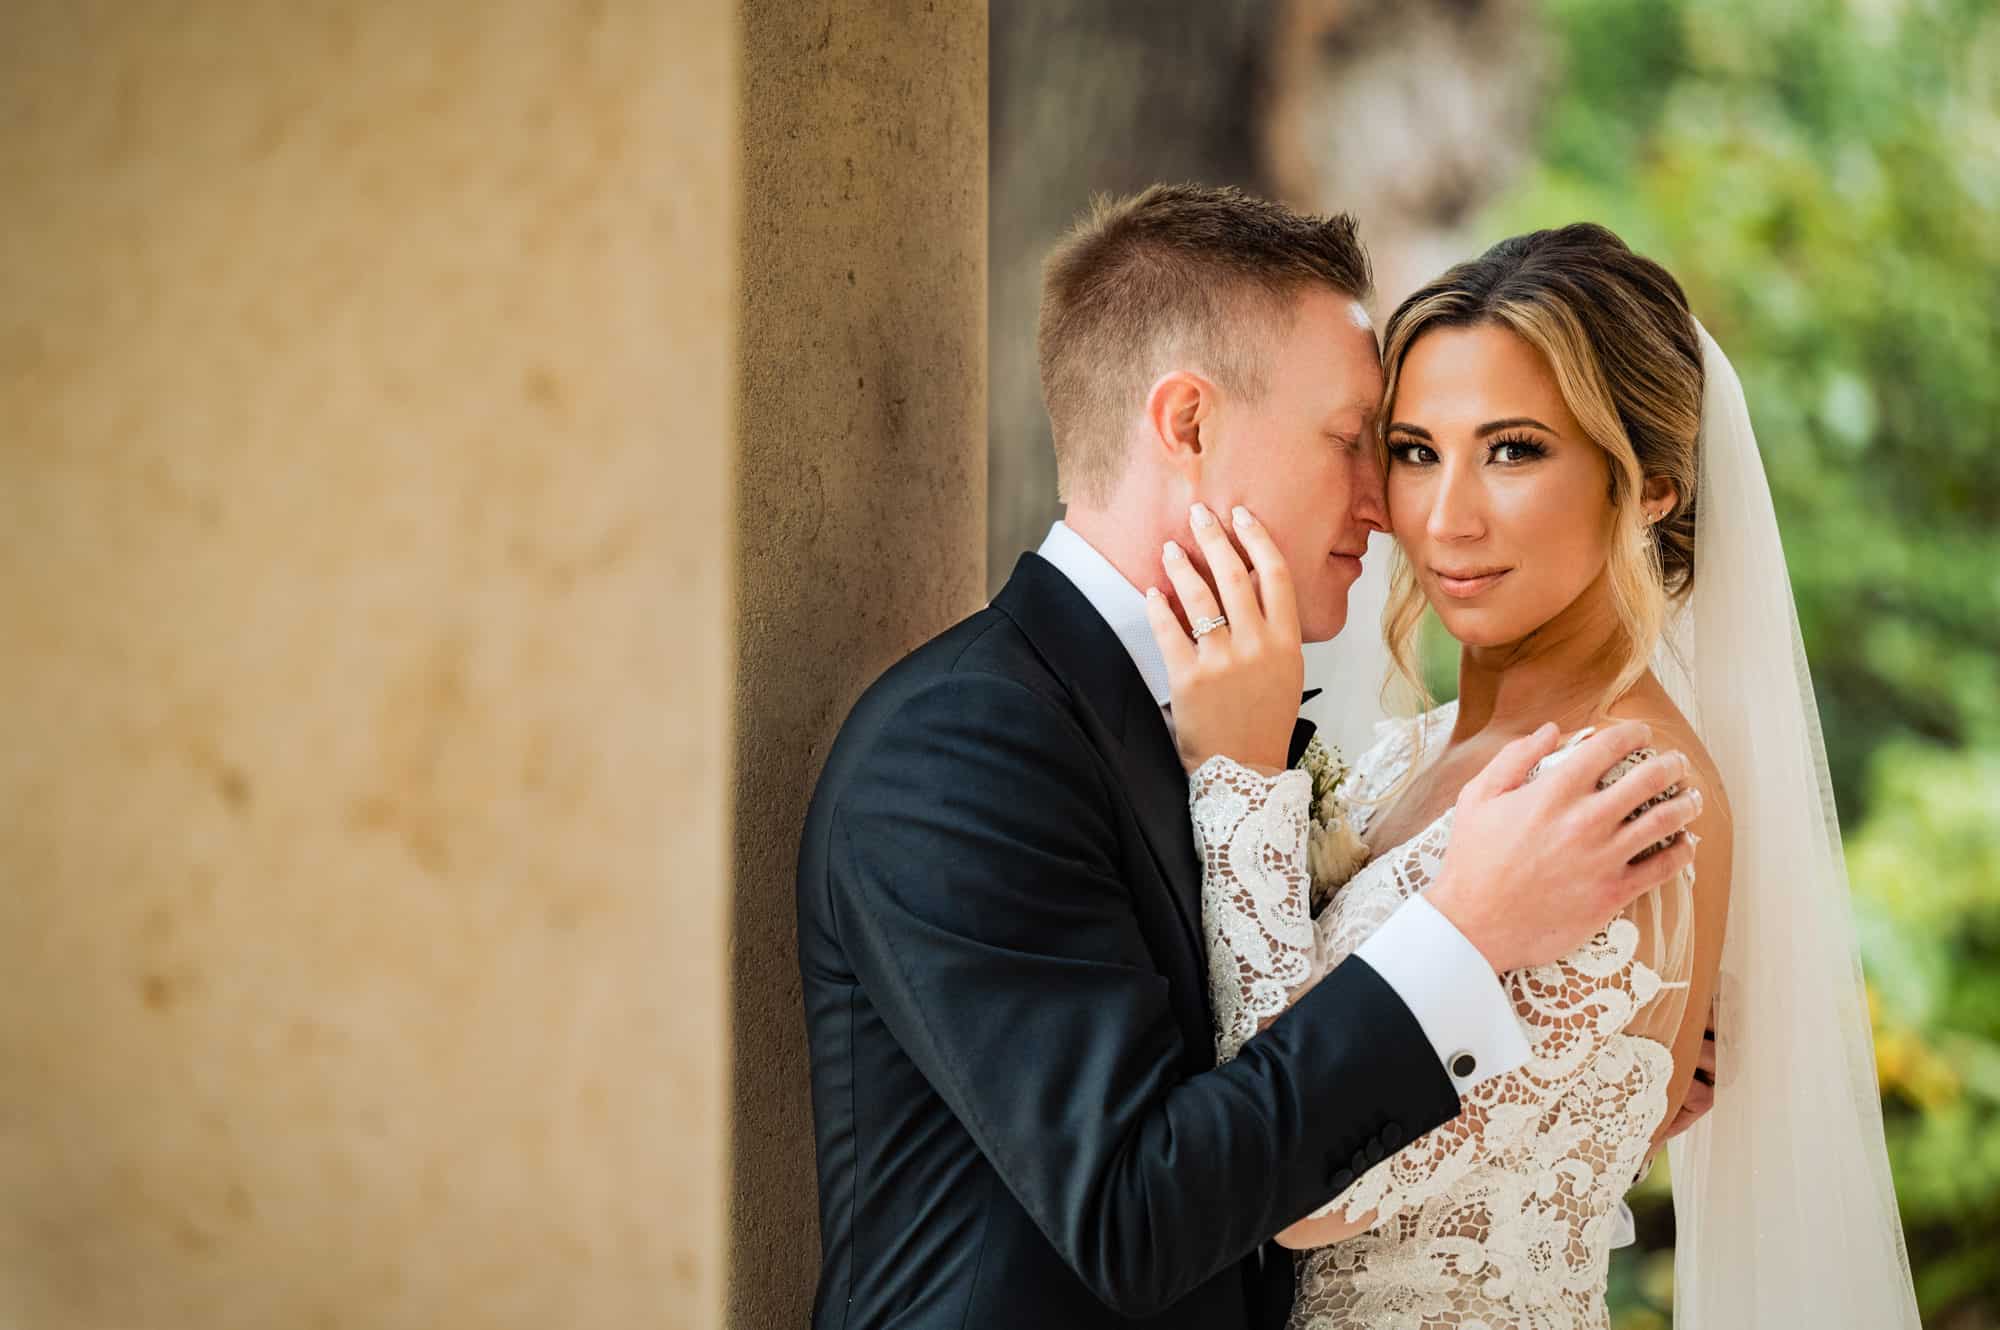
x=862 y=494
x=368 y=382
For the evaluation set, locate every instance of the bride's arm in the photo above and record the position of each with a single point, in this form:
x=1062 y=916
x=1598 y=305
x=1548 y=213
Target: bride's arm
x=1712 y=861
x=1250 y=832
x=1236 y=686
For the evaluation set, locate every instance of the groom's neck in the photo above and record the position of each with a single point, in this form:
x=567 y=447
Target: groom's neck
x=1129 y=540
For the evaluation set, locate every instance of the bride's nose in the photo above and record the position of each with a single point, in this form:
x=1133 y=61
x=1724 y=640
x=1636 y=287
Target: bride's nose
x=1458 y=510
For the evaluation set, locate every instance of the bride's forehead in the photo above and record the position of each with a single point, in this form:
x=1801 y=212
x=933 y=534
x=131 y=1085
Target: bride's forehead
x=1467 y=376
x=1485 y=354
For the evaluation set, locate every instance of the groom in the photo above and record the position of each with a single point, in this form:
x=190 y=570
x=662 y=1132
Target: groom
x=1018 y=1115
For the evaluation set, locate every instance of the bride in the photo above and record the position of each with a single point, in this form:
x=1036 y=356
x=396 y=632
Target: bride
x=1574 y=488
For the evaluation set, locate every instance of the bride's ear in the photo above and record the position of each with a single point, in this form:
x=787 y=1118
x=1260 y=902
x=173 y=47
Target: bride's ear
x=1658 y=496
x=1177 y=409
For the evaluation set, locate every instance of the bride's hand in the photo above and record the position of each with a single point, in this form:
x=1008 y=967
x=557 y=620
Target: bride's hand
x=1236 y=688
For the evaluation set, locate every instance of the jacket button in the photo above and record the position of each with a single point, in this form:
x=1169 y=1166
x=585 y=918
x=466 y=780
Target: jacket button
x=1360 y=1162
x=1341 y=1181
x=1375 y=1152
x=1392 y=1135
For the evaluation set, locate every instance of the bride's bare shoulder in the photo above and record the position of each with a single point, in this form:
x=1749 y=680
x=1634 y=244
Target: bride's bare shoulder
x=1647 y=701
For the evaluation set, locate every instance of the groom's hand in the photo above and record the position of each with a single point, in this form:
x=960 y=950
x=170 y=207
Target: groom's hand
x=1535 y=869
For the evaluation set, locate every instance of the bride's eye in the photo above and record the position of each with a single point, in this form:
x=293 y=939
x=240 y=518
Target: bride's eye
x=1410 y=454
x=1516 y=451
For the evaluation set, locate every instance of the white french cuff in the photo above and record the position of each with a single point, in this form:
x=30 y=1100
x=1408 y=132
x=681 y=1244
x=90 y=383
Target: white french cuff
x=1451 y=990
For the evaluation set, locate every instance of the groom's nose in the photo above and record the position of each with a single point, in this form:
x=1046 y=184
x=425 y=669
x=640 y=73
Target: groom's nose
x=1371 y=503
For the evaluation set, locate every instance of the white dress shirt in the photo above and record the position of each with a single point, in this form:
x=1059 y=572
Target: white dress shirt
x=1440 y=976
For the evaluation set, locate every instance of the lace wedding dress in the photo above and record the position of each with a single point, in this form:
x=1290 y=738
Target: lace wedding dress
x=1506 y=1216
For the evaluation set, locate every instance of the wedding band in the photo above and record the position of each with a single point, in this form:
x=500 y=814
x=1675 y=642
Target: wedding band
x=1203 y=627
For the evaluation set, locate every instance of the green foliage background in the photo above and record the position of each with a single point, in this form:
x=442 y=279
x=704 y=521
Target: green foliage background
x=1824 y=178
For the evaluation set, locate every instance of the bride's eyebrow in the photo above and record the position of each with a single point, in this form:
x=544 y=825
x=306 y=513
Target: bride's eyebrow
x=1512 y=422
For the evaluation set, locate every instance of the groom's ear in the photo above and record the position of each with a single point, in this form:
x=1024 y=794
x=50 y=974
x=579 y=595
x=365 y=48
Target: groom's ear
x=1177 y=408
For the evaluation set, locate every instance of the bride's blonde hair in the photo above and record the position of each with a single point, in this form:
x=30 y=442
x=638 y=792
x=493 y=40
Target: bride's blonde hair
x=1616 y=330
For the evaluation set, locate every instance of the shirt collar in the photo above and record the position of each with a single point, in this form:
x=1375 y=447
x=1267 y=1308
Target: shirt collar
x=1117 y=602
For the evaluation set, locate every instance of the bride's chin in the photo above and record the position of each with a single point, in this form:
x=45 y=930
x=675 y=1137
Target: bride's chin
x=1472 y=628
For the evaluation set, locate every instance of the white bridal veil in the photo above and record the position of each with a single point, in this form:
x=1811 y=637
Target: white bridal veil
x=1784 y=1210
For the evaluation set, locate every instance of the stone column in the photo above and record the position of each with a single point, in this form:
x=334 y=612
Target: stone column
x=861 y=499
x=378 y=605
x=369 y=377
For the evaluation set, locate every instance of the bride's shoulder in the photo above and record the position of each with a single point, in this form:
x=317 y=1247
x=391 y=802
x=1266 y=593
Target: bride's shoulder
x=1714 y=825
x=1648 y=701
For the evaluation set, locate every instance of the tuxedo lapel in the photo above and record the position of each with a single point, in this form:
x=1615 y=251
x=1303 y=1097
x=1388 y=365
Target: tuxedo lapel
x=1083 y=652
x=1302 y=734
x=1158 y=786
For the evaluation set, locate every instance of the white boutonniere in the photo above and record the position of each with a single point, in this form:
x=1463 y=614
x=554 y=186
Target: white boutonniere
x=1333 y=849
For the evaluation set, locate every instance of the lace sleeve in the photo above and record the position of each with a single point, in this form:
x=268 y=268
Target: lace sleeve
x=1250 y=832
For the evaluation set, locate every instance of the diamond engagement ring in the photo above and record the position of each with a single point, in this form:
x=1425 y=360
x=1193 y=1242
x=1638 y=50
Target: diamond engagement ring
x=1203 y=627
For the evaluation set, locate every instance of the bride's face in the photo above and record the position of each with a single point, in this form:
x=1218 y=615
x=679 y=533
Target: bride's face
x=1498 y=498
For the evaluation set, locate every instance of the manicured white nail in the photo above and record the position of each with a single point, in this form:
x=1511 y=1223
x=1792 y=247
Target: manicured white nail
x=1201 y=517
x=1695 y=795
x=1242 y=516
x=1173 y=551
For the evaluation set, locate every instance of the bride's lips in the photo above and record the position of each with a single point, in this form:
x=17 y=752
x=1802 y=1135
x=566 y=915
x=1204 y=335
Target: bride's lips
x=1465 y=583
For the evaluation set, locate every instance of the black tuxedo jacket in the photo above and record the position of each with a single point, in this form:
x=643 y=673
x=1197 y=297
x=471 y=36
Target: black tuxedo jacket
x=1018 y=1115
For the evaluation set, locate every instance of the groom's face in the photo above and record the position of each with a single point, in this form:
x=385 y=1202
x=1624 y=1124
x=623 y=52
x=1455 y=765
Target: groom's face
x=1302 y=456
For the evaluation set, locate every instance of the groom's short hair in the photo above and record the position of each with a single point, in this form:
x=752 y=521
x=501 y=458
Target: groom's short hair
x=1193 y=274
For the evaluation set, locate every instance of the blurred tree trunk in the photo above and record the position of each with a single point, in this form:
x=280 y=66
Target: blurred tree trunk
x=1410 y=115
x=1089 y=98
